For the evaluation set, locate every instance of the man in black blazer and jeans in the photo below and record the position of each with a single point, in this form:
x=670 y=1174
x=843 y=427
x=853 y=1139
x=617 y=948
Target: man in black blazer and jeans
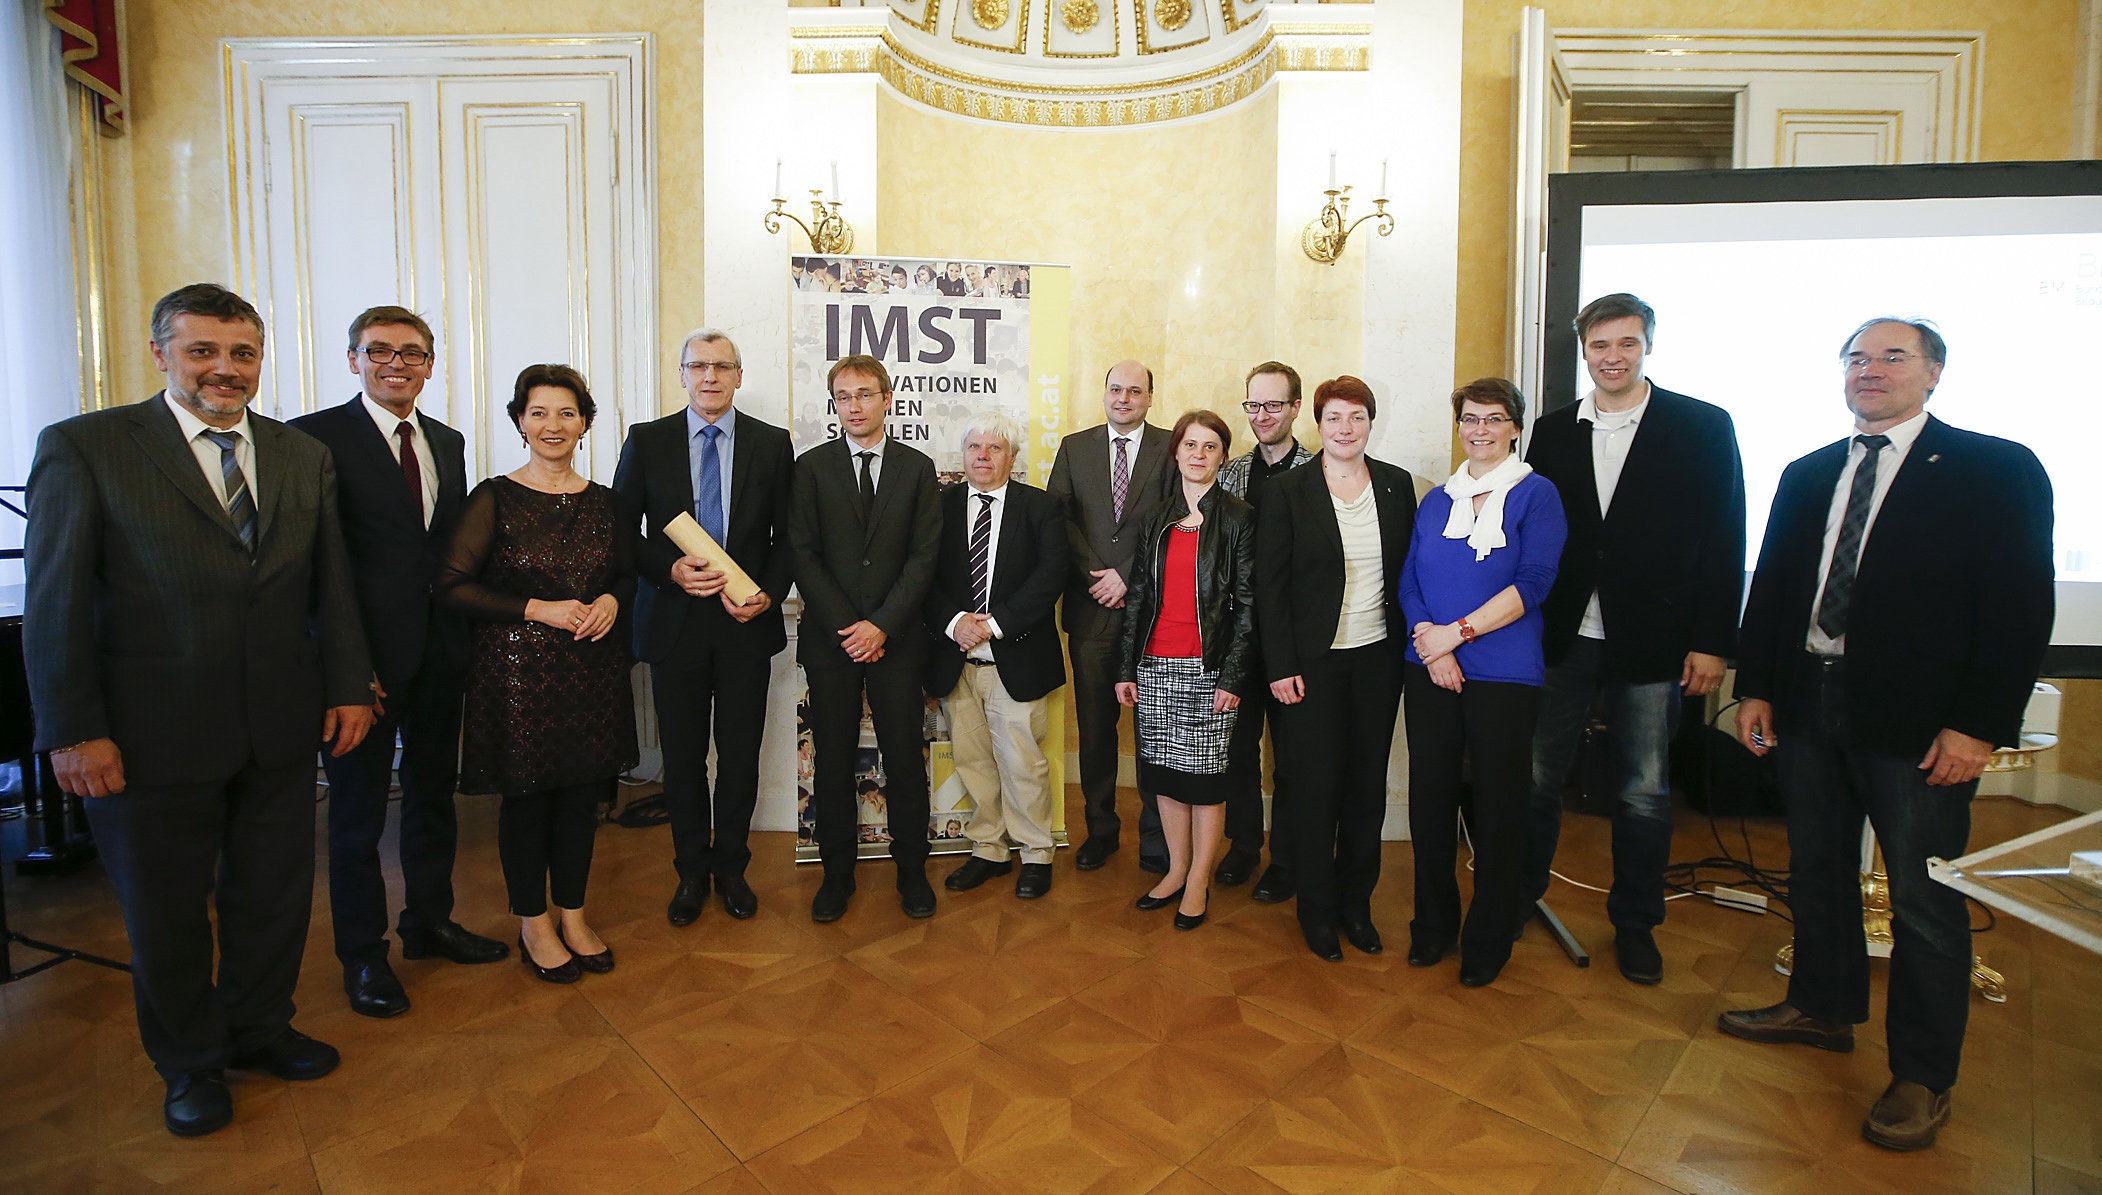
x=1896 y=624
x=864 y=525
x=731 y=473
x=1644 y=608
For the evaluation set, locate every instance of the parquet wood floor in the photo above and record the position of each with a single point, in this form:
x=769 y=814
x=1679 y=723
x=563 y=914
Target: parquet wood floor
x=1072 y=1044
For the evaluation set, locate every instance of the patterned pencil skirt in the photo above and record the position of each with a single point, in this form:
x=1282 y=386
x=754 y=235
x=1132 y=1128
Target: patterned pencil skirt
x=1182 y=743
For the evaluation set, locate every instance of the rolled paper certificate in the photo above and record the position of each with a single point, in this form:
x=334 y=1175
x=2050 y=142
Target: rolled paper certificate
x=693 y=539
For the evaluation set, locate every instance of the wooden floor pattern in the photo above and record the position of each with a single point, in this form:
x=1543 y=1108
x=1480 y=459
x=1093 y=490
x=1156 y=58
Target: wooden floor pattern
x=1072 y=1044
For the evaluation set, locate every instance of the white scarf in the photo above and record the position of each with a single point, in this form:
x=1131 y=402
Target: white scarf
x=1483 y=532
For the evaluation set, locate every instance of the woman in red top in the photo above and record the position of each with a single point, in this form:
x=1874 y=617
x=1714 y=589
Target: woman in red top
x=1188 y=633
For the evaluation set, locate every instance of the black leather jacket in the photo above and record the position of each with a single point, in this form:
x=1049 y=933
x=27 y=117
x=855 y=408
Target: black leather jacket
x=1225 y=585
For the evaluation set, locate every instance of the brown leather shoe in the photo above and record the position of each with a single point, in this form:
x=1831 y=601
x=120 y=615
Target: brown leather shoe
x=1782 y=1023
x=1906 y=1117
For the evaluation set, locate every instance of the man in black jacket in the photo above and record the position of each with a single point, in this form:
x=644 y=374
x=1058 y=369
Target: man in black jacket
x=1896 y=624
x=401 y=477
x=708 y=655
x=996 y=657
x=1644 y=607
x=865 y=526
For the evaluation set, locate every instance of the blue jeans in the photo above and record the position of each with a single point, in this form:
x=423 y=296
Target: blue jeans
x=1644 y=719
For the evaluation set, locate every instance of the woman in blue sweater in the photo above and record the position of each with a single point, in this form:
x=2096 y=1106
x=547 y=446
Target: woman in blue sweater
x=1480 y=562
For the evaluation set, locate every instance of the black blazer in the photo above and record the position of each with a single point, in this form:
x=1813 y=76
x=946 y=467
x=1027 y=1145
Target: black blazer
x=655 y=482
x=1953 y=597
x=1225 y=586
x=849 y=568
x=149 y=624
x=1299 y=564
x=1668 y=561
x=394 y=558
x=1080 y=484
x=1028 y=575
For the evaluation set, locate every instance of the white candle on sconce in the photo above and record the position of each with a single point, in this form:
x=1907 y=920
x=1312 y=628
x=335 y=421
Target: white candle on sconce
x=835 y=181
x=777 y=178
x=1331 y=170
x=1383 y=178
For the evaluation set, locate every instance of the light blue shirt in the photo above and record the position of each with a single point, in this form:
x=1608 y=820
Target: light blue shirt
x=725 y=447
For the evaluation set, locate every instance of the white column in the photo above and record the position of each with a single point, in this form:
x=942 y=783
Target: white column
x=746 y=122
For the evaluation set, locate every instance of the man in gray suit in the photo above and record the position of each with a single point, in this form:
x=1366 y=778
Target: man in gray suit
x=1108 y=479
x=193 y=638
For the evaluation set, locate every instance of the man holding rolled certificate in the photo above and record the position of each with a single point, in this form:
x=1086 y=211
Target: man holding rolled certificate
x=710 y=469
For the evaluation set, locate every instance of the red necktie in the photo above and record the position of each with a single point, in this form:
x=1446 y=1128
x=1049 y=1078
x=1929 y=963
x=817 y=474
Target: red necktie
x=411 y=471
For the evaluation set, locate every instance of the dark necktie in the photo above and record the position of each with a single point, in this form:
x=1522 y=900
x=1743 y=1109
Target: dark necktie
x=1119 y=480
x=239 y=504
x=982 y=556
x=411 y=468
x=868 y=487
x=1846 y=553
x=708 y=492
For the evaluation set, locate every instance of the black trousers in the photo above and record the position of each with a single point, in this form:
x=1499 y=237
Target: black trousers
x=1096 y=710
x=1830 y=787
x=425 y=710
x=1488 y=725
x=1341 y=735
x=711 y=669
x=898 y=707
x=1244 y=766
x=242 y=847
x=544 y=840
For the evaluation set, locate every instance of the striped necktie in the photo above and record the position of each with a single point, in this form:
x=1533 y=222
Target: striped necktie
x=982 y=556
x=1846 y=553
x=1119 y=480
x=238 y=502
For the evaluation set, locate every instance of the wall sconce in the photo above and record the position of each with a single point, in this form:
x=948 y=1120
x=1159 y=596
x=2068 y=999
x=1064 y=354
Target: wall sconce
x=828 y=230
x=1326 y=234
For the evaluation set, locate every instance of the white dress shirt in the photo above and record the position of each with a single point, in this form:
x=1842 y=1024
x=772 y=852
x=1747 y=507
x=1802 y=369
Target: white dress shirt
x=972 y=502
x=207 y=453
x=1612 y=432
x=426 y=461
x=1887 y=463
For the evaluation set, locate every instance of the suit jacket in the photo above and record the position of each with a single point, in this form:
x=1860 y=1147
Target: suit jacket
x=655 y=481
x=851 y=568
x=394 y=558
x=1098 y=539
x=1299 y=564
x=1667 y=561
x=1952 y=602
x=1028 y=575
x=149 y=624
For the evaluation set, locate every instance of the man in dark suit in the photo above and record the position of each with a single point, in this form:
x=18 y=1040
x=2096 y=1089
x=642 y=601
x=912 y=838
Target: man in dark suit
x=193 y=638
x=1896 y=624
x=732 y=474
x=996 y=657
x=864 y=525
x=1644 y=608
x=1107 y=479
x=400 y=479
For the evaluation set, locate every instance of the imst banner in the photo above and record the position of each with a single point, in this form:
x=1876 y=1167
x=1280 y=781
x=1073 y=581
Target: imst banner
x=957 y=337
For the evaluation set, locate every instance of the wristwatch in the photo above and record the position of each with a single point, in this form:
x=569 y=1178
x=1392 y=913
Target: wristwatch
x=1466 y=632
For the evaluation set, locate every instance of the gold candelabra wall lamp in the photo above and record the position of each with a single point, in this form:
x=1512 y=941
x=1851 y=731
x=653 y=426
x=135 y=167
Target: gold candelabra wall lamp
x=1327 y=234
x=828 y=231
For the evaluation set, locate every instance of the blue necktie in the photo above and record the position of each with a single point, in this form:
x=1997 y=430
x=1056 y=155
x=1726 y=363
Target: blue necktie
x=239 y=504
x=708 y=495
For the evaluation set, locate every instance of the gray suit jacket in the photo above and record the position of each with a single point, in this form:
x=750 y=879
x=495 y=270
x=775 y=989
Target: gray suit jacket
x=1080 y=483
x=148 y=623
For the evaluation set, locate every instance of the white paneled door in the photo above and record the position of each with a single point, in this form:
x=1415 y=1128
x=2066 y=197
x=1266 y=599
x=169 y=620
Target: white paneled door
x=500 y=188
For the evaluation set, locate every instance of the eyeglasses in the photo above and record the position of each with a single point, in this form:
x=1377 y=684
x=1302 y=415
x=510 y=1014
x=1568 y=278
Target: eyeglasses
x=704 y=368
x=1492 y=422
x=1274 y=406
x=380 y=354
x=856 y=396
x=1856 y=362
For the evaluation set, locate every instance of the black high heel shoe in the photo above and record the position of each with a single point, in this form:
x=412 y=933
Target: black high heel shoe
x=565 y=972
x=1148 y=902
x=595 y=964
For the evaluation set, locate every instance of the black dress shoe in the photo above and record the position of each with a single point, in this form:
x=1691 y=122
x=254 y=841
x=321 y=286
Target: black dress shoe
x=590 y=964
x=1153 y=864
x=1427 y=954
x=976 y=871
x=293 y=1056
x=1034 y=881
x=374 y=991
x=1480 y=975
x=1275 y=887
x=1640 y=960
x=830 y=904
x=1094 y=852
x=198 y=1103
x=448 y=940
x=1148 y=902
x=566 y=971
x=1186 y=921
x=739 y=900
x=1321 y=939
x=1359 y=931
x=915 y=894
x=1236 y=867
x=686 y=901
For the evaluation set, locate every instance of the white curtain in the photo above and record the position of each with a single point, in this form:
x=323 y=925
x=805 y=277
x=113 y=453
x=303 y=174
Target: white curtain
x=39 y=346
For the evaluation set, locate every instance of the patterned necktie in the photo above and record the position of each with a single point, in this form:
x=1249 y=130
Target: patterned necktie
x=238 y=502
x=411 y=469
x=1846 y=554
x=708 y=491
x=982 y=556
x=1119 y=480
x=868 y=487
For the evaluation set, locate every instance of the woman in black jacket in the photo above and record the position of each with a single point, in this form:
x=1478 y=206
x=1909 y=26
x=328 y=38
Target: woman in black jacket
x=1189 y=632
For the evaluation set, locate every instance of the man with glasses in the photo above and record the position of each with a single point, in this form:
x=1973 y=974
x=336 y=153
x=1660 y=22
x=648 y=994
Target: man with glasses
x=708 y=655
x=1272 y=405
x=401 y=480
x=1896 y=624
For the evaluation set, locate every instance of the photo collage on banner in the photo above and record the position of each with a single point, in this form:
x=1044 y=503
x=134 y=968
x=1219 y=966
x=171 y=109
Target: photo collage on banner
x=957 y=337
